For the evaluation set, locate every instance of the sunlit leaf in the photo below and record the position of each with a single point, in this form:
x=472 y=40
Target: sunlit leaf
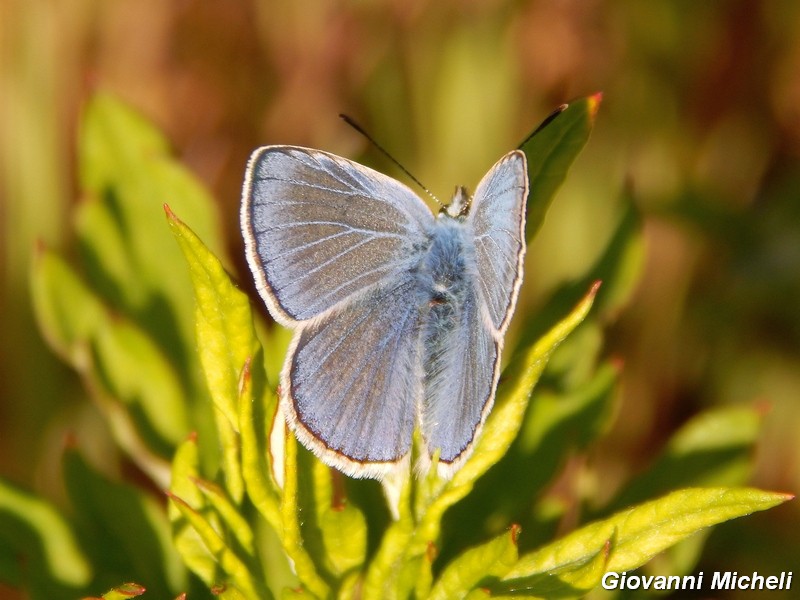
x=225 y=339
x=476 y=566
x=241 y=573
x=504 y=421
x=292 y=535
x=550 y=151
x=639 y=533
x=127 y=173
x=185 y=469
x=257 y=412
x=712 y=449
x=554 y=424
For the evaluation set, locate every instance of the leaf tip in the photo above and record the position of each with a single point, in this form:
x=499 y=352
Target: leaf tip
x=515 y=530
x=594 y=103
x=763 y=407
x=245 y=376
x=130 y=590
x=176 y=499
x=431 y=552
x=617 y=363
x=70 y=441
x=39 y=248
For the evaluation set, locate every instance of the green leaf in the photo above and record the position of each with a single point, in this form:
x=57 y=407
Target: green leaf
x=618 y=267
x=137 y=546
x=68 y=313
x=114 y=136
x=550 y=151
x=292 y=535
x=236 y=571
x=195 y=554
x=86 y=334
x=504 y=421
x=568 y=581
x=639 y=533
x=476 y=565
x=124 y=591
x=128 y=173
x=224 y=324
x=225 y=339
x=258 y=409
x=714 y=448
x=384 y=569
x=38 y=546
x=342 y=527
x=135 y=371
x=234 y=521
x=553 y=426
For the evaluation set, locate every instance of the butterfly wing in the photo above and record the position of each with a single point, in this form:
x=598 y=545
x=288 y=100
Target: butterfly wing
x=497 y=216
x=462 y=365
x=464 y=337
x=319 y=228
x=352 y=379
x=333 y=246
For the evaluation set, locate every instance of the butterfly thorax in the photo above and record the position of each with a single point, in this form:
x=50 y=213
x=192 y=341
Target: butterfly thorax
x=443 y=269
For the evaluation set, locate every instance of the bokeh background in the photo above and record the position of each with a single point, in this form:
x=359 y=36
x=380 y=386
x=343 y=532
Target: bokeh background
x=699 y=123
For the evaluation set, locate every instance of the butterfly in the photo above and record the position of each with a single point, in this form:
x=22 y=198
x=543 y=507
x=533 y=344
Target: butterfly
x=398 y=315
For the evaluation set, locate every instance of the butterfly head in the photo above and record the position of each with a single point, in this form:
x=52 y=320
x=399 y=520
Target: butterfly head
x=459 y=205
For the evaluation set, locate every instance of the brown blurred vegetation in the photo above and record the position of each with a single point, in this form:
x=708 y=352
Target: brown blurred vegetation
x=700 y=117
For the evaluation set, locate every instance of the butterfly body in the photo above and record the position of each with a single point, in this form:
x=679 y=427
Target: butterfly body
x=399 y=316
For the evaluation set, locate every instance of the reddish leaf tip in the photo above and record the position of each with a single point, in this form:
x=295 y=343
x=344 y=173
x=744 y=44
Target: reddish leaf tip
x=515 y=530
x=245 y=375
x=131 y=590
x=176 y=499
x=763 y=407
x=70 y=441
x=617 y=363
x=594 y=103
x=431 y=552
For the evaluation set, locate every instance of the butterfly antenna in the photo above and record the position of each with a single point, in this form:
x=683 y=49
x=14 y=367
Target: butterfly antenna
x=385 y=152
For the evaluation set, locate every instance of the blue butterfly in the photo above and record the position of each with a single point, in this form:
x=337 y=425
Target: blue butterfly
x=398 y=315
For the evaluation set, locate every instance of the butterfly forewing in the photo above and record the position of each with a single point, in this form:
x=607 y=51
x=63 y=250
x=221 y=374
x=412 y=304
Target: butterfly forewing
x=498 y=221
x=319 y=228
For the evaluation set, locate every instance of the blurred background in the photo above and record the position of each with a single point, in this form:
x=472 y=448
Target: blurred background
x=700 y=122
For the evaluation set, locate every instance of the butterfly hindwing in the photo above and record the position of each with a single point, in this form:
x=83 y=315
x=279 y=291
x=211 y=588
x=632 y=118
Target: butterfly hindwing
x=352 y=379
